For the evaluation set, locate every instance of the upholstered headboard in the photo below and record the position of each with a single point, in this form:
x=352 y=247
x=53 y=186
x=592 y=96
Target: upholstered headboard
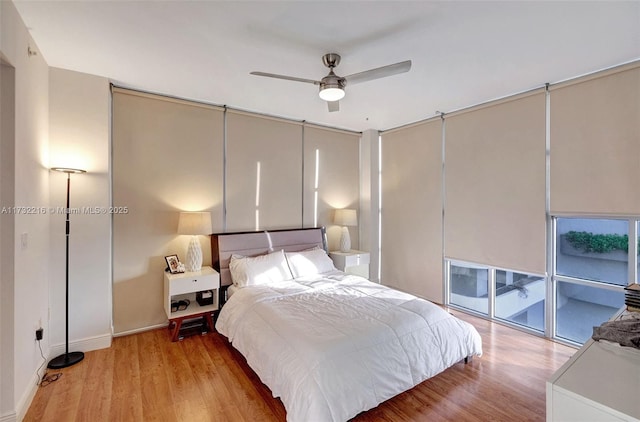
x=223 y=245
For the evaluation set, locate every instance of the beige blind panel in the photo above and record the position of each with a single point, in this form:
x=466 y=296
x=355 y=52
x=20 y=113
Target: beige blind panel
x=595 y=146
x=264 y=173
x=333 y=129
x=411 y=256
x=164 y=98
x=167 y=158
x=331 y=179
x=495 y=185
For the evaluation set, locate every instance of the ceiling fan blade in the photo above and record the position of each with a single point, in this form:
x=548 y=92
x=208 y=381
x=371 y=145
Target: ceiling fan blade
x=288 y=78
x=333 y=105
x=379 y=72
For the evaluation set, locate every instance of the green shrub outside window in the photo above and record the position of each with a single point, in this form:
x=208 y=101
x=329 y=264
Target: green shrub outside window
x=598 y=243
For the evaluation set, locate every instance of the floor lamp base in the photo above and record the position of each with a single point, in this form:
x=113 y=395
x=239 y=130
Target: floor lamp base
x=66 y=359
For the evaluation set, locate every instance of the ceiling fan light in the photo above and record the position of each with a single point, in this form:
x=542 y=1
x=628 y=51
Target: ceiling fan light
x=331 y=94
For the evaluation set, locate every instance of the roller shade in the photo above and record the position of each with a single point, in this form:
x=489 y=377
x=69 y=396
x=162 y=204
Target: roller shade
x=495 y=184
x=411 y=255
x=331 y=179
x=264 y=173
x=167 y=157
x=595 y=145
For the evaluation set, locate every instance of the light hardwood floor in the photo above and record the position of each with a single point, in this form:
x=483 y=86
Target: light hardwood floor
x=145 y=377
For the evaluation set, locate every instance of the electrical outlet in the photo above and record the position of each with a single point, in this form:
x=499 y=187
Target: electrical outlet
x=39 y=333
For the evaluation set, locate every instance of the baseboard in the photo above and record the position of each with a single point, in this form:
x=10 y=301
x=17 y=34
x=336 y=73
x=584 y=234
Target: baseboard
x=8 y=417
x=83 y=345
x=25 y=401
x=140 y=330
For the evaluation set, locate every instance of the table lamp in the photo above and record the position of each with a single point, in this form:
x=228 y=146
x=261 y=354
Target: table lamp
x=194 y=224
x=345 y=217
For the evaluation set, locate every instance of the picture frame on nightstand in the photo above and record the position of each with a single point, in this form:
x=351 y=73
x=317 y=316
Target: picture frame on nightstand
x=173 y=264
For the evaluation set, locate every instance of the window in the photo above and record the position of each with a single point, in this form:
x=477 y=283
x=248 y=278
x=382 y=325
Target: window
x=593 y=261
x=592 y=267
x=513 y=297
x=520 y=299
x=579 y=308
x=470 y=287
x=593 y=249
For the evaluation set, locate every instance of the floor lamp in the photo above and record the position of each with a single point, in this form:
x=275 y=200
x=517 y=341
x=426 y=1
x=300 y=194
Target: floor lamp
x=66 y=359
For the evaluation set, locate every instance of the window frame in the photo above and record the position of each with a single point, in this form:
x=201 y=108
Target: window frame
x=491 y=294
x=632 y=271
x=552 y=279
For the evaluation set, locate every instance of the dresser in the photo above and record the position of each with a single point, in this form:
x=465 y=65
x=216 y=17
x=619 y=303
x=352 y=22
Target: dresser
x=600 y=383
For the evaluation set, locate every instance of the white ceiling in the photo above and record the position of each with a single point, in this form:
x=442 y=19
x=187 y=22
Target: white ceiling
x=463 y=52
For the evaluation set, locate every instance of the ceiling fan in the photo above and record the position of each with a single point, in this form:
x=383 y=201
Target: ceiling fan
x=332 y=86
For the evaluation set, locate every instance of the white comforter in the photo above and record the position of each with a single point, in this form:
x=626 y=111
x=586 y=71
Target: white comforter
x=335 y=346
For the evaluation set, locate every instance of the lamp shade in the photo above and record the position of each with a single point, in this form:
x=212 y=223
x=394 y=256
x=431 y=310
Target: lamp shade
x=67 y=170
x=345 y=217
x=194 y=223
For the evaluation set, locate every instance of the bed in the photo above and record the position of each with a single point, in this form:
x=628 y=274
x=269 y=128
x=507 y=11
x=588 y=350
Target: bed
x=329 y=344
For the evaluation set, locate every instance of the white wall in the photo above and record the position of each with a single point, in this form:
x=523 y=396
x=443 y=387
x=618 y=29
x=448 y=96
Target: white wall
x=7 y=178
x=79 y=110
x=31 y=277
x=79 y=127
x=370 y=199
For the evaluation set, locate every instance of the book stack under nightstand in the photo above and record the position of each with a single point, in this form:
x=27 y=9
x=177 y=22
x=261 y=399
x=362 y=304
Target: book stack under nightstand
x=632 y=297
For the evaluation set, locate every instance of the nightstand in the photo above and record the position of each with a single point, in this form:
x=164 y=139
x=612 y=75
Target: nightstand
x=352 y=262
x=184 y=286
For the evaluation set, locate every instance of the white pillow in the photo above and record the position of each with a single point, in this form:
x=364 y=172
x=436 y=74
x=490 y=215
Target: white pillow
x=259 y=270
x=314 y=261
